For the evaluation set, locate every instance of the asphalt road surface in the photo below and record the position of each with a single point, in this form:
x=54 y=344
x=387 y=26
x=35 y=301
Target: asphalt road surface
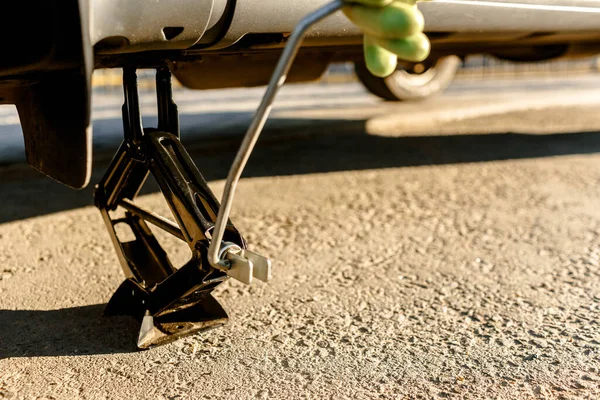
x=444 y=249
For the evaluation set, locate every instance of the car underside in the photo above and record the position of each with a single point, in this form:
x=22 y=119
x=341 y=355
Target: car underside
x=55 y=45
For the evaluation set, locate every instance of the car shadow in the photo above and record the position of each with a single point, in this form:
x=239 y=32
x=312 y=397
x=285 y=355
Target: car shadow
x=294 y=147
x=66 y=332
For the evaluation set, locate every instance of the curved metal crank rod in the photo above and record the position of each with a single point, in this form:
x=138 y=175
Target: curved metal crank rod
x=225 y=256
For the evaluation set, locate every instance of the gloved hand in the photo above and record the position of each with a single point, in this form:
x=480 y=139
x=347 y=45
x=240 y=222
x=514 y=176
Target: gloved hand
x=393 y=29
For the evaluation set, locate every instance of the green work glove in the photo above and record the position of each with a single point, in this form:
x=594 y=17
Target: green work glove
x=393 y=29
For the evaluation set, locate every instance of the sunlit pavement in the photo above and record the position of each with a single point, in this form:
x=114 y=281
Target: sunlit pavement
x=441 y=249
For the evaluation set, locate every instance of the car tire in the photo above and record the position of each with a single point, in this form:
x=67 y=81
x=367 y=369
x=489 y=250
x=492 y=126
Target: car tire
x=403 y=85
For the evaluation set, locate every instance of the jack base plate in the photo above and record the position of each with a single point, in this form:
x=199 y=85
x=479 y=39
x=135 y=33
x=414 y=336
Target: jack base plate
x=170 y=324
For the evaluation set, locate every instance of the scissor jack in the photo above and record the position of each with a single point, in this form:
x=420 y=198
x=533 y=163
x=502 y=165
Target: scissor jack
x=170 y=302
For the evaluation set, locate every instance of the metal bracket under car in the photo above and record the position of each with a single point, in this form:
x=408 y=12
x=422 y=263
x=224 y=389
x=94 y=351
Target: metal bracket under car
x=170 y=302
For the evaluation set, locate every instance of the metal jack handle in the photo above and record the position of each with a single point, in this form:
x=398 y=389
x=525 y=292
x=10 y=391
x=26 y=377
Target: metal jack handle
x=217 y=257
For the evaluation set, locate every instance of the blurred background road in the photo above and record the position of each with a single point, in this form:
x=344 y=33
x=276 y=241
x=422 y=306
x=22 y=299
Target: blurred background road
x=483 y=87
x=448 y=248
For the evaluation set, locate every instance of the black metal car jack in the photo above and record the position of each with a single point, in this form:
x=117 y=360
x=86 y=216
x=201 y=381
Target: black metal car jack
x=170 y=302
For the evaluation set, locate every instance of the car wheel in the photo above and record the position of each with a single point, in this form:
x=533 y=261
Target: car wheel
x=411 y=85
